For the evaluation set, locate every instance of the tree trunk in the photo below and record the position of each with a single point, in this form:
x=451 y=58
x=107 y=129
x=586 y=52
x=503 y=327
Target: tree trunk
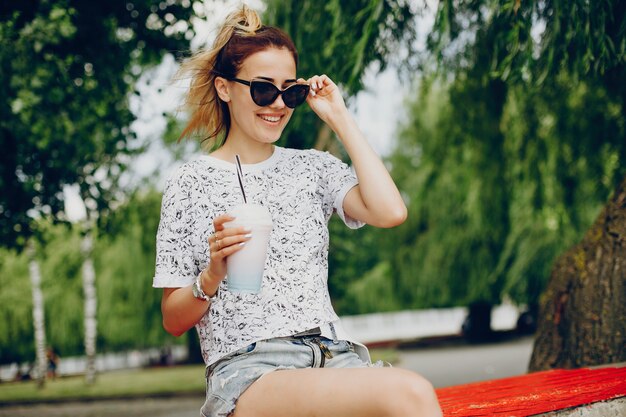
x=583 y=312
x=38 y=318
x=89 y=290
x=477 y=325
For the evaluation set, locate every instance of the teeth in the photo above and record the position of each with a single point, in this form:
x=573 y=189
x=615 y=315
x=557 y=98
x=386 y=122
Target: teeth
x=270 y=119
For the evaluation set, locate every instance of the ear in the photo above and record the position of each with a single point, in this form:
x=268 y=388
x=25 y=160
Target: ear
x=222 y=89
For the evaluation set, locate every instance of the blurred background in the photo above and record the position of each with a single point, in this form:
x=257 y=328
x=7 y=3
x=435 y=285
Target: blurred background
x=502 y=122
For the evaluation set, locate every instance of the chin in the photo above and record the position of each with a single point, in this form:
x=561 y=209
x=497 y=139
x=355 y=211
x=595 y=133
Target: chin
x=271 y=138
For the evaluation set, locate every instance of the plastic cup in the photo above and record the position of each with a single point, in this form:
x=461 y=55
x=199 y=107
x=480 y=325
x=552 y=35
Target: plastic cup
x=244 y=268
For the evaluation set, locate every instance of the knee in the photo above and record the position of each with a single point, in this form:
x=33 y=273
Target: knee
x=413 y=396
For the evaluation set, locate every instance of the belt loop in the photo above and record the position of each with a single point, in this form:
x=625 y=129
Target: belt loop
x=316 y=331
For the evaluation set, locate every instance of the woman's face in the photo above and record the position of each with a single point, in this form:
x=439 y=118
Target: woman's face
x=261 y=124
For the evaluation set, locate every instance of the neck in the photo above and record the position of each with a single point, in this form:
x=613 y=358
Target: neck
x=250 y=152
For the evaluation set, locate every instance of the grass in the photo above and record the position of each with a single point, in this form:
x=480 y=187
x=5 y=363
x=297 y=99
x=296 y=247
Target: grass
x=150 y=382
x=384 y=354
x=176 y=380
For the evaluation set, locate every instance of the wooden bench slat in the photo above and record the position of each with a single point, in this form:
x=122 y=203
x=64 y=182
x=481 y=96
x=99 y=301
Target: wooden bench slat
x=535 y=393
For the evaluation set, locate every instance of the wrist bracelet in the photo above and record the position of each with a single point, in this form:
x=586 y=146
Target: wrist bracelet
x=199 y=293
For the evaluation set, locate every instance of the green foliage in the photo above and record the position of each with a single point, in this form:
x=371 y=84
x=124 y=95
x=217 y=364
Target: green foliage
x=449 y=245
x=563 y=146
x=373 y=292
x=16 y=307
x=61 y=262
x=67 y=70
x=489 y=212
x=128 y=309
x=512 y=147
x=537 y=39
x=352 y=254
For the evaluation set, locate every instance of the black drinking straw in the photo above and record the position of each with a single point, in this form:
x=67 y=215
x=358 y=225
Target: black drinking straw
x=240 y=178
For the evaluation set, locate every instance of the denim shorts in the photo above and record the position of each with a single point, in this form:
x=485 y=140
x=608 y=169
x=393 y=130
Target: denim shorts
x=228 y=378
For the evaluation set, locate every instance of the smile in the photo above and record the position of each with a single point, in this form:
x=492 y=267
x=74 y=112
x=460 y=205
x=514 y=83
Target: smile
x=271 y=119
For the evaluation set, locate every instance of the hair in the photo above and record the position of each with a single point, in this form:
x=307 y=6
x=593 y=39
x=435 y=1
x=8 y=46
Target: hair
x=241 y=35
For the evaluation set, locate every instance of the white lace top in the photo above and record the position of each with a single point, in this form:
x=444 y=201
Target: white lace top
x=301 y=189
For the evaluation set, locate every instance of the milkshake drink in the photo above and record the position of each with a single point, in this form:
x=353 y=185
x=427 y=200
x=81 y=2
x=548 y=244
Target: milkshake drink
x=244 y=268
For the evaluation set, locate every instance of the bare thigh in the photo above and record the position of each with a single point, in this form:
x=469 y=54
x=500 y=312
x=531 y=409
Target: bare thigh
x=341 y=392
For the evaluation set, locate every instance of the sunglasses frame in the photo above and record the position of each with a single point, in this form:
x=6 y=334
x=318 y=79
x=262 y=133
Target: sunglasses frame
x=278 y=91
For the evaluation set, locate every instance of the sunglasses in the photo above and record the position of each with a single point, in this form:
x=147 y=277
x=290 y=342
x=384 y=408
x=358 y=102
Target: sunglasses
x=265 y=93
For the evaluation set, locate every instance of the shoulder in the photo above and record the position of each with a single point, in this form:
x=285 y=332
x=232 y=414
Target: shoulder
x=198 y=169
x=189 y=179
x=180 y=175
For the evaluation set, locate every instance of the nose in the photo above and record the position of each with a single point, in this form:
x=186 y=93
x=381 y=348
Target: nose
x=278 y=103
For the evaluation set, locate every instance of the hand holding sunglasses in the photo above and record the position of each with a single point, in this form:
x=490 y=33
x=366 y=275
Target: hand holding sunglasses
x=326 y=99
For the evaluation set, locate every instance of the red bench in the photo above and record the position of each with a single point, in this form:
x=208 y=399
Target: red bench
x=534 y=393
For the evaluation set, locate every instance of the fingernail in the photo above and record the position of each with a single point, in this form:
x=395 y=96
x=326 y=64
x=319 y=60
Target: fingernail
x=313 y=93
x=242 y=243
x=249 y=235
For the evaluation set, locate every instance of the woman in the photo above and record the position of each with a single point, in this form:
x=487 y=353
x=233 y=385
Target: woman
x=245 y=90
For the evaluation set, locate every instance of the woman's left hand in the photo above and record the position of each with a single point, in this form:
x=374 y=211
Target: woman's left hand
x=324 y=98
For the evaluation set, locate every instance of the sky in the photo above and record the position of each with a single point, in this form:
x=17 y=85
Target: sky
x=378 y=109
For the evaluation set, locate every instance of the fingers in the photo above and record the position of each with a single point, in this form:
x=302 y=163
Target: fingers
x=219 y=221
x=225 y=232
x=221 y=247
x=227 y=241
x=220 y=243
x=320 y=85
x=224 y=252
x=229 y=236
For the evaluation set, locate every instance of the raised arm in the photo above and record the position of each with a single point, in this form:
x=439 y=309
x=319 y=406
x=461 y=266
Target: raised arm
x=376 y=200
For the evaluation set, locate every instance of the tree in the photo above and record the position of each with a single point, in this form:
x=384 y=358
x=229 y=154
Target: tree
x=16 y=328
x=38 y=320
x=68 y=68
x=584 y=44
x=65 y=117
x=589 y=280
x=91 y=303
x=128 y=310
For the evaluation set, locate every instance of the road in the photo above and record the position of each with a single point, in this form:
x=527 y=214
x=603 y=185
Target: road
x=442 y=365
x=454 y=365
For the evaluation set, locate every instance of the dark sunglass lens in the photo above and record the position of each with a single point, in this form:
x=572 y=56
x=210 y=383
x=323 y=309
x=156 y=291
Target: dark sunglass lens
x=263 y=93
x=295 y=95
